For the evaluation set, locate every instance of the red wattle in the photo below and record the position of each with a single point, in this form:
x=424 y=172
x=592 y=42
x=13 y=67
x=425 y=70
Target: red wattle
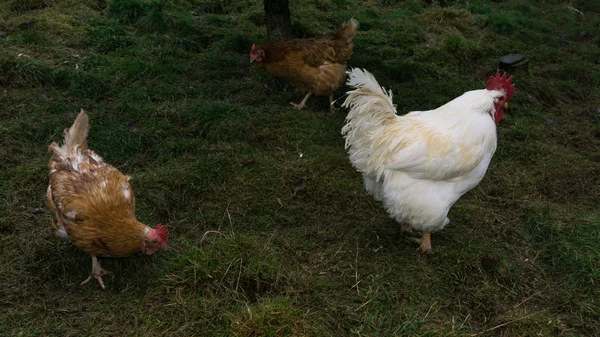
x=499 y=114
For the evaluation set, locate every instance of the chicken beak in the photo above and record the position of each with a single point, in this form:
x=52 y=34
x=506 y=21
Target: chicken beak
x=252 y=58
x=505 y=105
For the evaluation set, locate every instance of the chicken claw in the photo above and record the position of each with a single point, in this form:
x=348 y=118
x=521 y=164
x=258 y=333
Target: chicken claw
x=299 y=106
x=97 y=273
x=424 y=242
x=97 y=277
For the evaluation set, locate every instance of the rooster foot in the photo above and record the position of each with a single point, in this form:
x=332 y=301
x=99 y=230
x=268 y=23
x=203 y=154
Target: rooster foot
x=424 y=242
x=97 y=273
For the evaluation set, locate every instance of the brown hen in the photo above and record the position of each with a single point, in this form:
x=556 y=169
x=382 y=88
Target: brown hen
x=315 y=66
x=94 y=203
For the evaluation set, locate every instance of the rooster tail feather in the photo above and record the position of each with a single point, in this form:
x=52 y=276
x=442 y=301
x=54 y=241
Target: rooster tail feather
x=370 y=106
x=347 y=31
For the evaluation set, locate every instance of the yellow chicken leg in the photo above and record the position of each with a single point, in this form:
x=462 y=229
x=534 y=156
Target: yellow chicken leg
x=97 y=272
x=303 y=103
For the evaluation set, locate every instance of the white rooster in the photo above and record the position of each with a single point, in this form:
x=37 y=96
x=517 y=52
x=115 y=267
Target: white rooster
x=421 y=163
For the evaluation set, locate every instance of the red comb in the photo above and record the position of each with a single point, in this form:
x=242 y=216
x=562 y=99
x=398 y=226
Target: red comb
x=162 y=232
x=252 y=49
x=501 y=83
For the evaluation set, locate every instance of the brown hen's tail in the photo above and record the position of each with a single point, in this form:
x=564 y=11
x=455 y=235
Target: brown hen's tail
x=347 y=31
x=75 y=137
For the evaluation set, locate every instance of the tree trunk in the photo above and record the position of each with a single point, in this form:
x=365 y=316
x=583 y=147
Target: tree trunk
x=277 y=17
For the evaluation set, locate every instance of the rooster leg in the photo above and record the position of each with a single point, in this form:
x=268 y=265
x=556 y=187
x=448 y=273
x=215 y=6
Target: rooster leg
x=331 y=107
x=425 y=245
x=301 y=104
x=97 y=272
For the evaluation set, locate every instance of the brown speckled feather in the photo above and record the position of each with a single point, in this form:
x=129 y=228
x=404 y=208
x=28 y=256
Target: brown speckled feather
x=317 y=64
x=93 y=202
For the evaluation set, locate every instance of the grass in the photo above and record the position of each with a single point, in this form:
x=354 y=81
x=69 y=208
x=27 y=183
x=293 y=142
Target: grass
x=272 y=233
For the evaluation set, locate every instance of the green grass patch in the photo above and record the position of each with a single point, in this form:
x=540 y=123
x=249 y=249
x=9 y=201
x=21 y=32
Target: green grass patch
x=271 y=231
